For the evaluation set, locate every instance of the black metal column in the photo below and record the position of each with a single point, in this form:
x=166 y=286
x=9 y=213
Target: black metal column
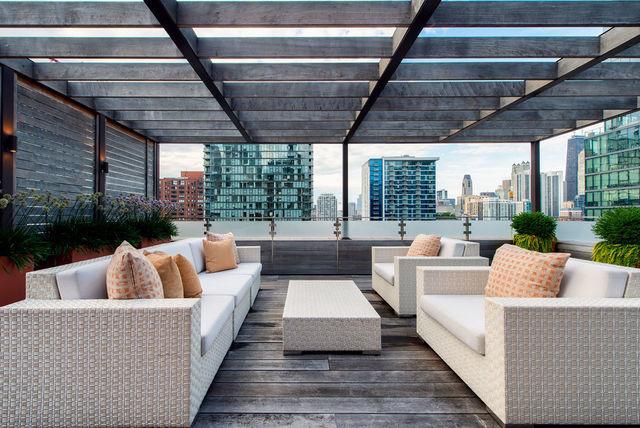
x=345 y=180
x=101 y=165
x=535 y=176
x=8 y=139
x=156 y=170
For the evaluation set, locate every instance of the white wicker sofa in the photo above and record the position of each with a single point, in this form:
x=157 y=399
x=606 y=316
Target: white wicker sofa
x=72 y=357
x=567 y=360
x=393 y=273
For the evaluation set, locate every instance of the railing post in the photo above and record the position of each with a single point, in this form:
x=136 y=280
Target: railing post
x=467 y=231
x=272 y=233
x=402 y=231
x=207 y=225
x=8 y=140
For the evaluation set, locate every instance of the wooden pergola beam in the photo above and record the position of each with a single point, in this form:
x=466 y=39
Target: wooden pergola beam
x=323 y=14
x=165 y=12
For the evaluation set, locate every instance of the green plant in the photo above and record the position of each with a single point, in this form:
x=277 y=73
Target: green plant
x=535 y=231
x=619 y=226
x=21 y=243
x=620 y=230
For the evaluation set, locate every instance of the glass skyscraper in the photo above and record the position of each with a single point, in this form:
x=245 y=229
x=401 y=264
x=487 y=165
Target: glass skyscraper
x=256 y=181
x=612 y=166
x=399 y=188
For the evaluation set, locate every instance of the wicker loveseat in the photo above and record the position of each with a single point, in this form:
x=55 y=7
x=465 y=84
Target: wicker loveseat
x=393 y=273
x=567 y=360
x=72 y=357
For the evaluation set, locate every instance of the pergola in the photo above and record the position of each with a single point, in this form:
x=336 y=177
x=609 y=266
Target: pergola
x=405 y=87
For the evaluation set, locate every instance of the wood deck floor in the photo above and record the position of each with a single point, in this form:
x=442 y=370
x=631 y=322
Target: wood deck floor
x=407 y=385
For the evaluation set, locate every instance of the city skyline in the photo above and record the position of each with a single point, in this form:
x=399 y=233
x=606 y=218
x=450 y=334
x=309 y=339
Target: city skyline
x=488 y=164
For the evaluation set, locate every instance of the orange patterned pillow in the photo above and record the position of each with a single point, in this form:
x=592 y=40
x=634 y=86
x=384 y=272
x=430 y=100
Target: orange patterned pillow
x=131 y=276
x=214 y=237
x=516 y=272
x=424 y=245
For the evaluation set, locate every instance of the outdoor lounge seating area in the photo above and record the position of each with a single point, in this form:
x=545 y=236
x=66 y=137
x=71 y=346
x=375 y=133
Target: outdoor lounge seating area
x=415 y=320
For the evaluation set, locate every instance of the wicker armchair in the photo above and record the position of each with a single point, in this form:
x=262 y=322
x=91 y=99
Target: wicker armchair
x=393 y=273
x=568 y=360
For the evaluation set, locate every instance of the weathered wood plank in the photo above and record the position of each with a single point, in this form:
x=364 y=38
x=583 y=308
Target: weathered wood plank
x=275 y=365
x=338 y=389
x=340 y=405
x=412 y=420
x=332 y=376
x=209 y=420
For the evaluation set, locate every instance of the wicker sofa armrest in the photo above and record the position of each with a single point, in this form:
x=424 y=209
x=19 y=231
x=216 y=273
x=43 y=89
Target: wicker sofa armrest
x=452 y=279
x=249 y=254
x=555 y=350
x=387 y=254
x=115 y=362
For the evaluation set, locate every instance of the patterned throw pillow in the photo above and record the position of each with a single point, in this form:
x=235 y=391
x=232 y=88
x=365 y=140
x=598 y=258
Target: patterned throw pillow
x=221 y=237
x=424 y=245
x=516 y=272
x=131 y=276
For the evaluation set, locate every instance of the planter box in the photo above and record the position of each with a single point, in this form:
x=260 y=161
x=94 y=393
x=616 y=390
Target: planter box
x=75 y=256
x=12 y=282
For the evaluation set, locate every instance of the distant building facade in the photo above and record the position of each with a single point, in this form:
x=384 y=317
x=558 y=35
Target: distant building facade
x=399 y=187
x=327 y=207
x=551 y=194
x=187 y=192
x=575 y=145
x=521 y=181
x=612 y=166
x=467 y=190
x=504 y=190
x=255 y=181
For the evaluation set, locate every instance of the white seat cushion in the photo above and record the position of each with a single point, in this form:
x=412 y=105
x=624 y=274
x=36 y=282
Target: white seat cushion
x=252 y=269
x=385 y=270
x=88 y=281
x=215 y=310
x=461 y=315
x=230 y=285
x=583 y=278
x=173 y=248
x=451 y=248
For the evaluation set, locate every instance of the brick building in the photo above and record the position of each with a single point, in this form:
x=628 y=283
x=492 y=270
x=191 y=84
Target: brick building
x=187 y=191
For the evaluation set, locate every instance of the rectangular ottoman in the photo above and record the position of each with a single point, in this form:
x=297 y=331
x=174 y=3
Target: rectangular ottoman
x=329 y=316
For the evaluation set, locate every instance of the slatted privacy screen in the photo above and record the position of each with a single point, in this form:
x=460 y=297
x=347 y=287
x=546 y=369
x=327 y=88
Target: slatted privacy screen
x=126 y=157
x=150 y=167
x=56 y=144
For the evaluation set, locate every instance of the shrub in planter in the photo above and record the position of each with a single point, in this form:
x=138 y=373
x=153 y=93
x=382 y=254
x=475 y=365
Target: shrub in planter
x=21 y=246
x=535 y=231
x=620 y=230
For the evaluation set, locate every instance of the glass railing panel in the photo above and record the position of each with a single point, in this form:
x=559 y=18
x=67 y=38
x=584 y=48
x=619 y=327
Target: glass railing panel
x=491 y=229
x=576 y=231
x=190 y=229
x=315 y=229
x=448 y=228
x=362 y=229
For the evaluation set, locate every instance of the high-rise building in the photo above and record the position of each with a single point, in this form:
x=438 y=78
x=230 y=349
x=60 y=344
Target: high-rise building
x=353 y=213
x=187 y=192
x=327 y=207
x=551 y=195
x=399 y=187
x=467 y=185
x=581 y=174
x=442 y=194
x=521 y=181
x=504 y=190
x=255 y=181
x=612 y=166
x=359 y=205
x=575 y=145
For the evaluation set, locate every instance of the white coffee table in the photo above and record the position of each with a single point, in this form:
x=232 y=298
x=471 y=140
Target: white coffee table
x=329 y=316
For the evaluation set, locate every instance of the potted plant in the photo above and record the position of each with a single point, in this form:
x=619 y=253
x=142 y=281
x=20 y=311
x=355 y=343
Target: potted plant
x=150 y=218
x=21 y=246
x=535 y=231
x=620 y=230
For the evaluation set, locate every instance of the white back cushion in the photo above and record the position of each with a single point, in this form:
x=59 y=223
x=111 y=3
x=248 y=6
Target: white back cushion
x=197 y=251
x=88 y=281
x=583 y=278
x=451 y=247
x=173 y=248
